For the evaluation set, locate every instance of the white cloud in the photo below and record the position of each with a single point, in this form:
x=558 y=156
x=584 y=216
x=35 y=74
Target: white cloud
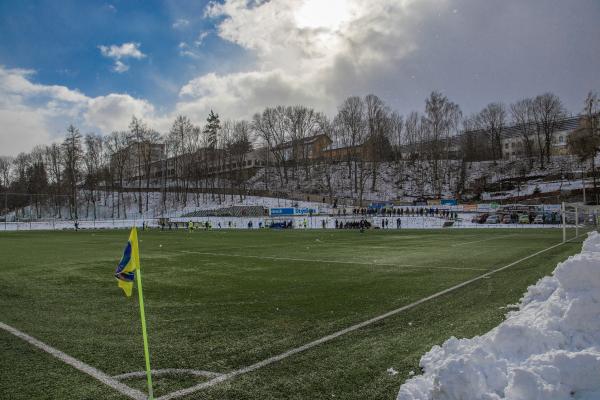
x=35 y=114
x=123 y=51
x=306 y=51
x=181 y=23
x=15 y=82
x=185 y=50
x=404 y=49
x=117 y=53
x=22 y=129
x=120 y=66
x=200 y=40
x=114 y=111
x=317 y=52
x=239 y=95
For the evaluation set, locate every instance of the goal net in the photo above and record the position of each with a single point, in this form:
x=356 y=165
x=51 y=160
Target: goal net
x=578 y=219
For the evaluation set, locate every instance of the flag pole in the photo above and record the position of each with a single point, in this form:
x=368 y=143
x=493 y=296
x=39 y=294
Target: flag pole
x=138 y=274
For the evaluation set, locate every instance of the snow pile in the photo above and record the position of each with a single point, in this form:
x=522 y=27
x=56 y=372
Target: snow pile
x=548 y=349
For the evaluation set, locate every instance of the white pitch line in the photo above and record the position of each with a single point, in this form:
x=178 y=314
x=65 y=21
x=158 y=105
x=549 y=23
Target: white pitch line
x=330 y=261
x=484 y=240
x=168 y=371
x=77 y=364
x=279 y=357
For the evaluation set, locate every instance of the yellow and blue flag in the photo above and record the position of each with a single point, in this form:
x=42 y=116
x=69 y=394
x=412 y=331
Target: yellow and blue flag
x=130 y=262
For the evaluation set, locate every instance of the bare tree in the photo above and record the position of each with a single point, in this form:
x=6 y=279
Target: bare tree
x=412 y=136
x=492 y=120
x=117 y=146
x=36 y=179
x=442 y=119
x=137 y=130
x=585 y=141
x=5 y=171
x=92 y=162
x=72 y=157
x=327 y=164
x=397 y=134
x=351 y=128
x=182 y=131
x=237 y=146
x=548 y=110
x=20 y=167
x=5 y=181
x=470 y=142
x=149 y=154
x=55 y=173
x=304 y=122
x=272 y=128
x=522 y=116
x=378 y=134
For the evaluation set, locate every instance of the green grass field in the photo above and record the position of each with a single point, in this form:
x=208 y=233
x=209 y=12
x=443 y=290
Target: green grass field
x=222 y=300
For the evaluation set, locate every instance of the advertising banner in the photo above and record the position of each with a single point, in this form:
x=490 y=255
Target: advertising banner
x=290 y=211
x=280 y=212
x=449 y=202
x=305 y=211
x=551 y=207
x=470 y=207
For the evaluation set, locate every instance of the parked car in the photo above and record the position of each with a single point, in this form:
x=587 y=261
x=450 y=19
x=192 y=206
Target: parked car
x=552 y=218
x=479 y=219
x=523 y=219
x=539 y=219
x=506 y=219
x=492 y=219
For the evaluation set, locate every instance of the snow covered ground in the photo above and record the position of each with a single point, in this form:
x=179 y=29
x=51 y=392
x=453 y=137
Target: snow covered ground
x=549 y=349
x=315 y=222
x=107 y=204
x=538 y=185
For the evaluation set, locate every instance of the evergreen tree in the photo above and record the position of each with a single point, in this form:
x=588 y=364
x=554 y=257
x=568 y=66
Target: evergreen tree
x=212 y=128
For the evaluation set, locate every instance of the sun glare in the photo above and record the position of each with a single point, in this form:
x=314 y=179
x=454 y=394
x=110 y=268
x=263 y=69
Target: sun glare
x=328 y=14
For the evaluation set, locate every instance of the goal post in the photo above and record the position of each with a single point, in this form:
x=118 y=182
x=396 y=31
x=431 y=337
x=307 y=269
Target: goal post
x=578 y=219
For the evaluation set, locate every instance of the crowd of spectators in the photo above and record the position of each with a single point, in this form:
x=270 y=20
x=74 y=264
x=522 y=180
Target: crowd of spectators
x=360 y=224
x=400 y=212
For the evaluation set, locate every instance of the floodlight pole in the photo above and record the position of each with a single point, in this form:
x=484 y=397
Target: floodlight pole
x=6 y=211
x=576 y=222
x=564 y=222
x=583 y=184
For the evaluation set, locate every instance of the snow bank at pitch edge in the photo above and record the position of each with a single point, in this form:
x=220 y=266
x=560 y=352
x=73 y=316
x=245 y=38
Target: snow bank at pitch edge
x=548 y=349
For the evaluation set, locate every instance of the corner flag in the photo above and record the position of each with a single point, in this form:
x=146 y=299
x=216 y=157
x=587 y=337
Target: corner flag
x=129 y=263
x=128 y=270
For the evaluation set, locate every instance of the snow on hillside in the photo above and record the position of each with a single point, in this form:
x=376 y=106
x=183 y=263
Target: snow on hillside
x=110 y=206
x=537 y=185
x=407 y=180
x=547 y=350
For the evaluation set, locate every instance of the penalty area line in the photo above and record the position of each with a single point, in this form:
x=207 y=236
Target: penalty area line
x=230 y=375
x=77 y=364
x=484 y=240
x=374 y=264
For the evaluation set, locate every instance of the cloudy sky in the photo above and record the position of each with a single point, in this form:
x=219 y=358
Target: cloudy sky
x=96 y=63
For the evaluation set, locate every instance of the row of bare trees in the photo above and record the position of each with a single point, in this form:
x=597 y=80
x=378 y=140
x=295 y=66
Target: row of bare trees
x=137 y=160
x=429 y=148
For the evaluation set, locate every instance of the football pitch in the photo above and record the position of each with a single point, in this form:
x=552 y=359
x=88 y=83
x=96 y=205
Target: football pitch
x=257 y=314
